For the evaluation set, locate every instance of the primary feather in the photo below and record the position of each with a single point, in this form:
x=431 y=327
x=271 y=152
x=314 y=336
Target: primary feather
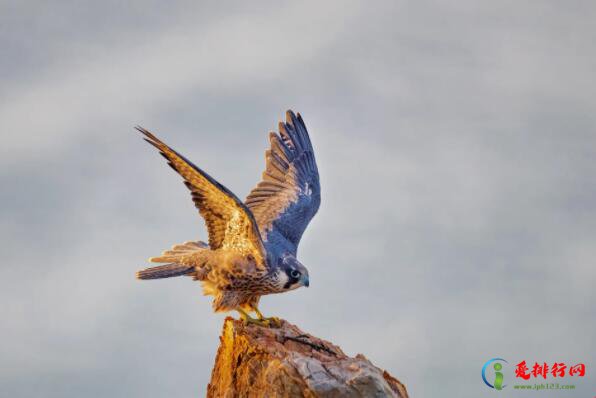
x=289 y=194
x=230 y=224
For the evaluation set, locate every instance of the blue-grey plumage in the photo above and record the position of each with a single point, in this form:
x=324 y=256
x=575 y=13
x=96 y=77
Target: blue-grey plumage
x=253 y=245
x=289 y=194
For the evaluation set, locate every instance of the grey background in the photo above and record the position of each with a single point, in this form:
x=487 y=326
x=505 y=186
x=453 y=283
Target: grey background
x=455 y=142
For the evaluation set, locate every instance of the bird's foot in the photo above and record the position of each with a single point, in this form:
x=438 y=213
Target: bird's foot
x=260 y=321
x=273 y=321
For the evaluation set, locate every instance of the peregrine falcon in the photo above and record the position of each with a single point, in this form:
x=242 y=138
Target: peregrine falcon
x=252 y=245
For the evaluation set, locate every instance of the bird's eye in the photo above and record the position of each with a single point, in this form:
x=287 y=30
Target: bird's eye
x=295 y=273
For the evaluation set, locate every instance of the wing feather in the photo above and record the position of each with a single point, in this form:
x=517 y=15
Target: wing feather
x=288 y=196
x=230 y=224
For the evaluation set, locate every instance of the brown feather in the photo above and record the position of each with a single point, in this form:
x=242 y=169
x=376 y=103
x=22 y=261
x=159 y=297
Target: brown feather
x=229 y=224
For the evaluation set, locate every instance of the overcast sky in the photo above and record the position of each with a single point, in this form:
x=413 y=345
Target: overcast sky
x=456 y=143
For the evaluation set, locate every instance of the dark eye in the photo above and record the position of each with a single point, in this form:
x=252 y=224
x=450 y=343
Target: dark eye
x=295 y=274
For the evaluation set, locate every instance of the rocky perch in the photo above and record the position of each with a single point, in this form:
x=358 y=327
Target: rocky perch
x=254 y=361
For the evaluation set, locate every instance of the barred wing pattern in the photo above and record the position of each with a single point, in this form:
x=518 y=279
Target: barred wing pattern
x=229 y=222
x=289 y=194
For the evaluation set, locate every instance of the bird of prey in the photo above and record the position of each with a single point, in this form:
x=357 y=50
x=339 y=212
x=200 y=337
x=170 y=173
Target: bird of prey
x=252 y=245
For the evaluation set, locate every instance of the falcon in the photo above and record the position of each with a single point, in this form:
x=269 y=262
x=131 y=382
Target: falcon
x=252 y=245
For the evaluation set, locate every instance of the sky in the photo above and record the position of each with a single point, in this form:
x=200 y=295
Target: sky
x=456 y=144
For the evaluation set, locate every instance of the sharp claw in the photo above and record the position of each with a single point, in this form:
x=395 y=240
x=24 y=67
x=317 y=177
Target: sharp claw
x=275 y=321
x=265 y=322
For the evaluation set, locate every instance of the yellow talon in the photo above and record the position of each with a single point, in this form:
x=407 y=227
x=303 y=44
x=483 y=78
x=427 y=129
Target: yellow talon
x=247 y=319
x=270 y=321
x=274 y=320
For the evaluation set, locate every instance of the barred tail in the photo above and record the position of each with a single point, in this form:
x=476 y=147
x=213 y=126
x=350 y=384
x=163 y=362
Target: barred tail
x=165 y=271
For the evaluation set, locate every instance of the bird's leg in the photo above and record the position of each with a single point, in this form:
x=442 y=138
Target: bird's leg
x=247 y=319
x=273 y=320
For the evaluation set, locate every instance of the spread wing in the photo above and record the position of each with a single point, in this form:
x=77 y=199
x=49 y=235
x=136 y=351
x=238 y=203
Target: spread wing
x=289 y=194
x=229 y=222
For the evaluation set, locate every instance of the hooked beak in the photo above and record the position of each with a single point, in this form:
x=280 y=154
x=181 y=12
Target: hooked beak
x=305 y=281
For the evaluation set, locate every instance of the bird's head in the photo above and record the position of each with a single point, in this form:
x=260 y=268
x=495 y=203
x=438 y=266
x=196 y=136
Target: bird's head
x=291 y=273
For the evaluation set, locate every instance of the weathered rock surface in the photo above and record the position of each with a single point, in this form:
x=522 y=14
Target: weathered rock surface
x=254 y=361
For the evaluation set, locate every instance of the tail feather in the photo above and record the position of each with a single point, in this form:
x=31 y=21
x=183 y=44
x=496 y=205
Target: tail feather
x=179 y=252
x=165 y=271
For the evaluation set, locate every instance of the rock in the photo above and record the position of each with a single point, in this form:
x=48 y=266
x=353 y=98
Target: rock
x=254 y=361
